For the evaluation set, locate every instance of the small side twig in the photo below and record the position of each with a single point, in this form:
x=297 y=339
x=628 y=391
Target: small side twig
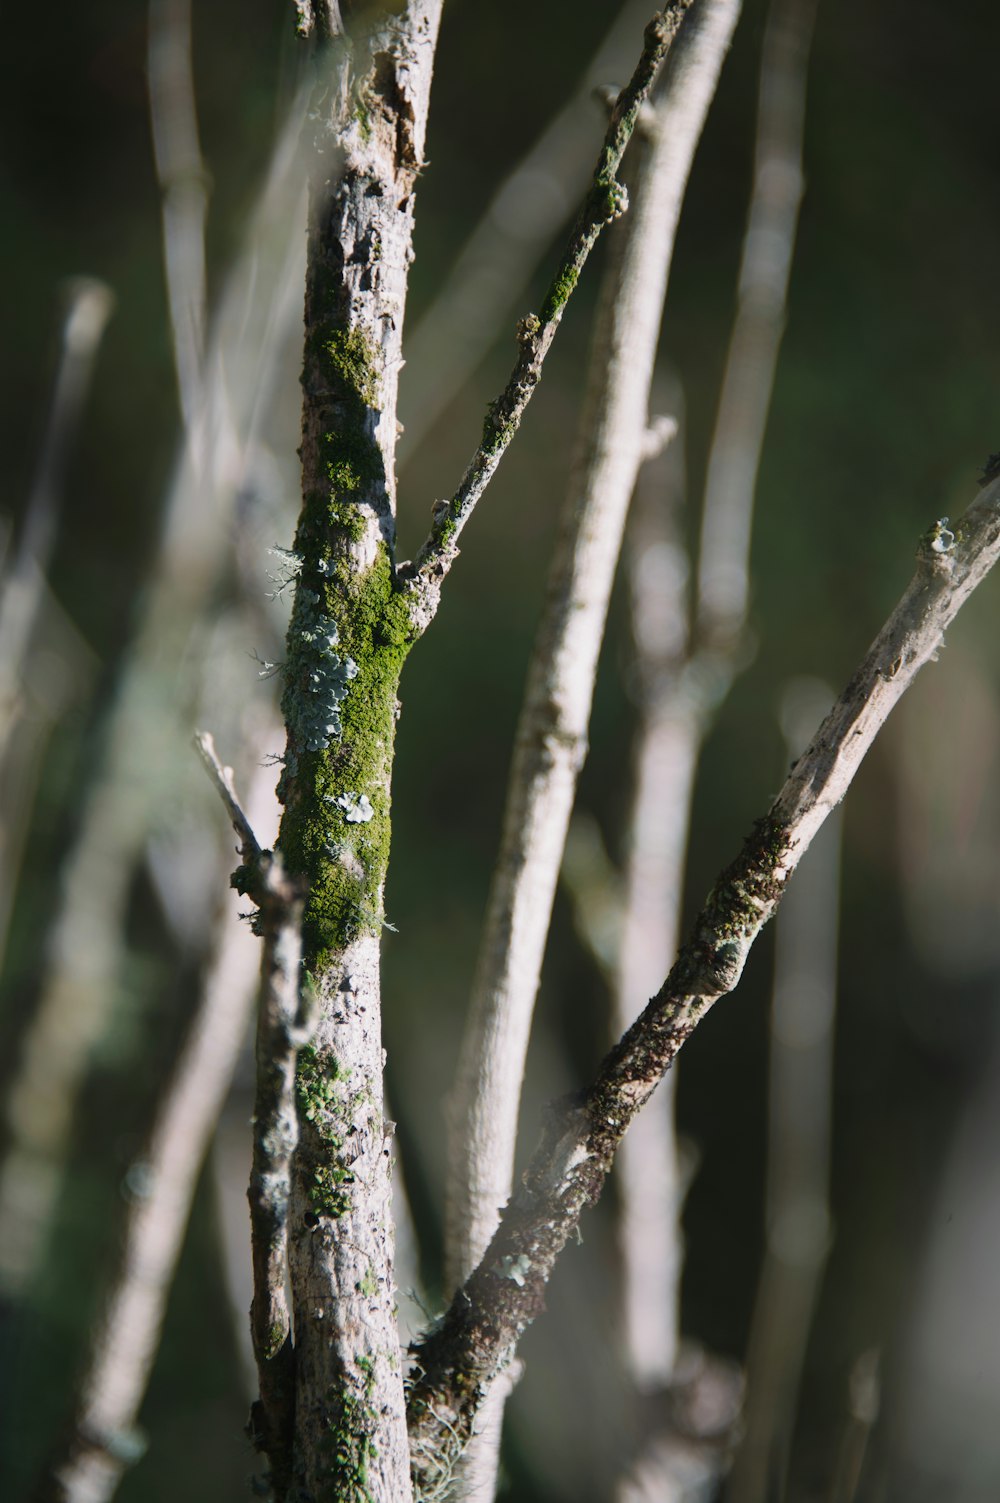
x=605 y=201
x=285 y=1022
x=222 y=777
x=502 y=252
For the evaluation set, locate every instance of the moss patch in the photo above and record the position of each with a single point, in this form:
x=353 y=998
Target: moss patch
x=350 y=1439
x=343 y=862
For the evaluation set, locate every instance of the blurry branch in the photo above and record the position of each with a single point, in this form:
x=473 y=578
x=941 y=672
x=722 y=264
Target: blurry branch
x=863 y=1402
x=680 y=681
x=103 y=1438
x=672 y=1461
x=91 y=304
x=146 y=738
x=800 y=1087
x=734 y=459
x=184 y=183
x=605 y=201
x=458 y=1360
x=551 y=737
x=25 y=602
x=502 y=252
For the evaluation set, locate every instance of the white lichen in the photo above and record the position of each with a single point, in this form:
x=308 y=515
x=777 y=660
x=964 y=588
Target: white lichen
x=357 y=811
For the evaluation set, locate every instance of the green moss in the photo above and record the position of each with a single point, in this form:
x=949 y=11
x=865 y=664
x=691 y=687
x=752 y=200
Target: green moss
x=351 y=461
x=350 y=360
x=351 y=1443
x=344 y=863
x=323 y=1101
x=560 y=292
x=749 y=887
x=497 y=430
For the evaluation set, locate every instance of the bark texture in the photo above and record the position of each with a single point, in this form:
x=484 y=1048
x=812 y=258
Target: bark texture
x=349 y=634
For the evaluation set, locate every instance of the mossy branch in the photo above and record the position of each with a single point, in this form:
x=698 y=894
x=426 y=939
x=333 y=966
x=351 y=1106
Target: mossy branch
x=457 y=1361
x=605 y=200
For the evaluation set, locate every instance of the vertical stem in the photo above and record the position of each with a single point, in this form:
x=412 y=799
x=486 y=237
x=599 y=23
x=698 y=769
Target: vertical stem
x=349 y=634
x=552 y=733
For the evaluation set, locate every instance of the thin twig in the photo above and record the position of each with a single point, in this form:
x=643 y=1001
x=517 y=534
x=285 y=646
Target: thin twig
x=284 y=1024
x=606 y=199
x=745 y=400
x=458 y=1361
x=222 y=777
x=500 y=256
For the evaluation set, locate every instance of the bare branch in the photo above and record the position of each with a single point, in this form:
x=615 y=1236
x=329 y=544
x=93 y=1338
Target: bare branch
x=223 y=780
x=606 y=199
x=745 y=399
x=285 y=1022
x=501 y=254
x=457 y=1362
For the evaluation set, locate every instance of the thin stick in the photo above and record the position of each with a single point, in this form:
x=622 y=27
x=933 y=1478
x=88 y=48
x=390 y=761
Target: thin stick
x=497 y=261
x=457 y=1362
x=738 y=440
x=606 y=199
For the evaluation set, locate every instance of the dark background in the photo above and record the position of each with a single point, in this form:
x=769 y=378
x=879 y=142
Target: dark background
x=884 y=412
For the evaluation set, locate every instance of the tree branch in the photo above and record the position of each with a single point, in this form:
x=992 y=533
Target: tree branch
x=502 y=252
x=605 y=201
x=457 y=1361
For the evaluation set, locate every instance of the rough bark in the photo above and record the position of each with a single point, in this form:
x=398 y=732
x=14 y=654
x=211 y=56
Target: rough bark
x=349 y=634
x=458 y=1361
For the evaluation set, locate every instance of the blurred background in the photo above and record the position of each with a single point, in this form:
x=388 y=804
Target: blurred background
x=159 y=600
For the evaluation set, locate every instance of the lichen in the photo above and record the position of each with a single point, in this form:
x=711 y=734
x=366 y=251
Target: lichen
x=344 y=863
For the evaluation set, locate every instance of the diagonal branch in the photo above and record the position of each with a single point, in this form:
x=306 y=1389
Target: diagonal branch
x=456 y=1363
x=605 y=201
x=502 y=252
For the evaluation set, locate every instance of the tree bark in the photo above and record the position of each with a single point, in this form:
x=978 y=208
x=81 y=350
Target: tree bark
x=349 y=634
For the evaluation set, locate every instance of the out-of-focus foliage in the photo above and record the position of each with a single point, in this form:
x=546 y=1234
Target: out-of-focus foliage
x=885 y=410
